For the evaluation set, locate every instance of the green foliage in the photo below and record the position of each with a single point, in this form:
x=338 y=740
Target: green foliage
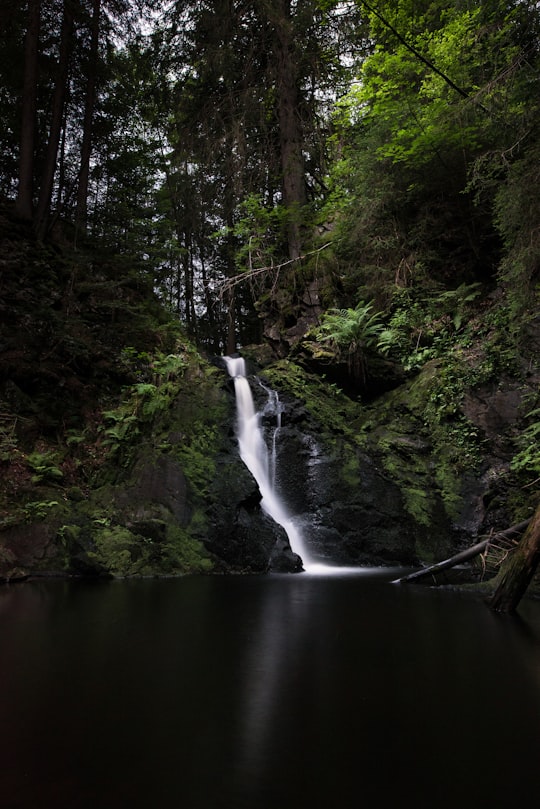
x=347 y=333
x=39 y=509
x=122 y=553
x=171 y=366
x=527 y=459
x=8 y=437
x=517 y=212
x=424 y=326
x=259 y=232
x=415 y=104
x=458 y=440
x=440 y=105
x=144 y=400
x=44 y=466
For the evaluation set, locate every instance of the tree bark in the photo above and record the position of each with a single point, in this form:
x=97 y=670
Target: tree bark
x=517 y=573
x=90 y=103
x=290 y=127
x=230 y=346
x=57 y=117
x=24 y=203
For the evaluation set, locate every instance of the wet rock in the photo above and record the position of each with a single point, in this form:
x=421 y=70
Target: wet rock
x=156 y=481
x=360 y=521
x=239 y=533
x=495 y=412
x=29 y=546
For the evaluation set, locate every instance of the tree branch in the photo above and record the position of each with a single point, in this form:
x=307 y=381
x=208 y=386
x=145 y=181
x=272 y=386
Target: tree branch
x=465 y=555
x=421 y=57
x=250 y=274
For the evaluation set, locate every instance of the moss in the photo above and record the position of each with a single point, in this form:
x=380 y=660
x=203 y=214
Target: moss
x=118 y=552
x=392 y=431
x=418 y=504
x=69 y=535
x=426 y=445
x=196 y=455
x=424 y=451
x=176 y=408
x=325 y=402
x=350 y=470
x=122 y=553
x=185 y=554
x=190 y=428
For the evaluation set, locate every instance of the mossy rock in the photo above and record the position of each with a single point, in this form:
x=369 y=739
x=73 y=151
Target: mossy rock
x=122 y=553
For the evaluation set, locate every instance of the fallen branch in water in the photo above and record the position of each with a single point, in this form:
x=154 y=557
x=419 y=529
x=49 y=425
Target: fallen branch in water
x=252 y=273
x=464 y=556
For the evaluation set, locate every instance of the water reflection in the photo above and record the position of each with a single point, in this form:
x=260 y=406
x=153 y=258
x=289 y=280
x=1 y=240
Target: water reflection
x=280 y=691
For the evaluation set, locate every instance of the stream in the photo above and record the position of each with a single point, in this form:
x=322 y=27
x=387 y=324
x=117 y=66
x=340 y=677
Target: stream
x=265 y=692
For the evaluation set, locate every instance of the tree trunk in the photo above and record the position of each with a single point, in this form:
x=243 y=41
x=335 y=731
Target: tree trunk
x=212 y=335
x=231 y=323
x=60 y=186
x=90 y=102
x=24 y=202
x=290 y=127
x=57 y=117
x=517 y=573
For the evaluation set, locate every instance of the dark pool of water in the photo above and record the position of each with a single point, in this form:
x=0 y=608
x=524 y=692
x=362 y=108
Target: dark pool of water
x=265 y=693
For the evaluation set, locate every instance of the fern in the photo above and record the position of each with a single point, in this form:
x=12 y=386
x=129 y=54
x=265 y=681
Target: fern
x=44 y=466
x=528 y=458
x=171 y=365
x=144 y=389
x=349 y=332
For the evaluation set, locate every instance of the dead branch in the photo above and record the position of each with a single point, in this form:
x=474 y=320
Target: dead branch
x=465 y=555
x=251 y=273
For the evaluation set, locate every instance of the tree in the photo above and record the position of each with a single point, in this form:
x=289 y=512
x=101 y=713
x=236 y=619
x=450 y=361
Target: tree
x=288 y=101
x=89 y=109
x=25 y=202
x=410 y=139
x=57 y=120
x=250 y=114
x=13 y=27
x=519 y=569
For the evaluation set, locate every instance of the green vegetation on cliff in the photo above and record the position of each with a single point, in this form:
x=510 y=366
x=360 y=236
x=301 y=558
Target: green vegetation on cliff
x=99 y=381
x=382 y=242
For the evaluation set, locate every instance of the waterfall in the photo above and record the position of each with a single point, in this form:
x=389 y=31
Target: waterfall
x=273 y=407
x=255 y=455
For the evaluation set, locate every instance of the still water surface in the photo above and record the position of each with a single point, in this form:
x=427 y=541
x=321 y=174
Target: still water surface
x=317 y=691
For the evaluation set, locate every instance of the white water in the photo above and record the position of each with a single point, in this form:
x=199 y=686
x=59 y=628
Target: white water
x=254 y=453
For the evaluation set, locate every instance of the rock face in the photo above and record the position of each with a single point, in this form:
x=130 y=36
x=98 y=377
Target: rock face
x=239 y=533
x=376 y=484
x=22 y=547
x=291 y=316
x=351 y=516
x=158 y=482
x=347 y=510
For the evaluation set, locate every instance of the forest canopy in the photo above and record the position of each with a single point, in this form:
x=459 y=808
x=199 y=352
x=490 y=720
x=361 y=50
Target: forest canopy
x=211 y=140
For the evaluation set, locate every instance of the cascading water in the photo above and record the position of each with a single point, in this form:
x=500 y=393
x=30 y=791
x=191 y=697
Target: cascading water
x=254 y=453
x=273 y=407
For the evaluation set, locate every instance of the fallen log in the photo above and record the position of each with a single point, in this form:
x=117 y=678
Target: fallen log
x=464 y=556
